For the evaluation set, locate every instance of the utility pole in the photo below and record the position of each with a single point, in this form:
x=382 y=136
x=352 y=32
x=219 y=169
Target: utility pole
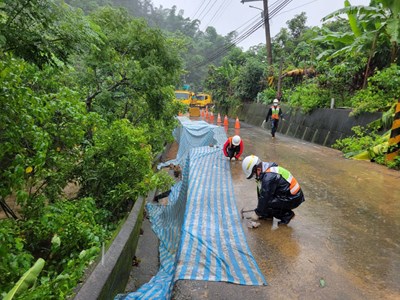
x=267 y=30
x=267 y=33
x=279 y=92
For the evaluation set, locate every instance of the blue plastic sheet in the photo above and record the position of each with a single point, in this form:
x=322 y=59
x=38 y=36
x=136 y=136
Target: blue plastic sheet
x=200 y=232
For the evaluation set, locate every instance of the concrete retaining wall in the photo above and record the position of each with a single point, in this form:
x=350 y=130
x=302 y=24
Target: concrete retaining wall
x=109 y=277
x=323 y=126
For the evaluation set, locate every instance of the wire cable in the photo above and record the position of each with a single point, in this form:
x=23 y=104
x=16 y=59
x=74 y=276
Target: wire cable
x=198 y=9
x=205 y=7
x=278 y=6
x=219 y=11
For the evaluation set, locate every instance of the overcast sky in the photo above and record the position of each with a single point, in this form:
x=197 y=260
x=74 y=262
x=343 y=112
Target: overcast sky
x=230 y=15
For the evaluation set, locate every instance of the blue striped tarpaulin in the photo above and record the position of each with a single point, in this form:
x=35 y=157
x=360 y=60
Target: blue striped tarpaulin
x=200 y=232
x=213 y=245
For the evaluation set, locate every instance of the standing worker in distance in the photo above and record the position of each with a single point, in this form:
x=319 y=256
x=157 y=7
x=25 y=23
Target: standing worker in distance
x=277 y=190
x=233 y=147
x=275 y=113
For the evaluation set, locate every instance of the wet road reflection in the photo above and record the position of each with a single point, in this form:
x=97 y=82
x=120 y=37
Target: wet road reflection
x=344 y=242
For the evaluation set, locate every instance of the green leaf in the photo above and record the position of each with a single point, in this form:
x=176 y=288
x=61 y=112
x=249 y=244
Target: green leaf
x=322 y=282
x=27 y=280
x=56 y=241
x=352 y=20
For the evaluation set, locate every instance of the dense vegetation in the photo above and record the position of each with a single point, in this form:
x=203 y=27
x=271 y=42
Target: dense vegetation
x=84 y=102
x=87 y=92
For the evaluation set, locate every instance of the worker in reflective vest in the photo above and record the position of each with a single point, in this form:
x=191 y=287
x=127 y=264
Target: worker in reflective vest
x=233 y=147
x=275 y=113
x=278 y=191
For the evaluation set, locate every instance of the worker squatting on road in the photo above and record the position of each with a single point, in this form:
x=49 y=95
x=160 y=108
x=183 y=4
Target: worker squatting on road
x=277 y=190
x=275 y=113
x=233 y=147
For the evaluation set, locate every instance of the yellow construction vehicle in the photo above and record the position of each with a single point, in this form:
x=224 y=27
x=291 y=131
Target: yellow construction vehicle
x=186 y=97
x=202 y=100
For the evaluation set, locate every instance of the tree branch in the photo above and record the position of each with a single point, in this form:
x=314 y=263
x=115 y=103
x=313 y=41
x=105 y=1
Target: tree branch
x=90 y=98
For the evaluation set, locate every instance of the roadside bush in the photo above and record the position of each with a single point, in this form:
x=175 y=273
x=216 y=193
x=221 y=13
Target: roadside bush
x=65 y=229
x=68 y=236
x=382 y=89
x=366 y=144
x=360 y=141
x=267 y=96
x=308 y=97
x=15 y=258
x=60 y=286
x=116 y=169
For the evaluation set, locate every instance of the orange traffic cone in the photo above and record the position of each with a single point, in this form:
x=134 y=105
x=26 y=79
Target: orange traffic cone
x=237 y=123
x=211 y=117
x=226 y=123
x=206 y=114
x=219 y=119
x=202 y=113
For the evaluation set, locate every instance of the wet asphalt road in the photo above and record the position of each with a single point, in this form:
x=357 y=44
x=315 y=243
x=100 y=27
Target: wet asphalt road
x=344 y=242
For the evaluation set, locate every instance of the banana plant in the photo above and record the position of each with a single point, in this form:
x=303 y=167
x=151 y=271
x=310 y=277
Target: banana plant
x=26 y=281
x=385 y=121
x=372 y=152
x=371 y=26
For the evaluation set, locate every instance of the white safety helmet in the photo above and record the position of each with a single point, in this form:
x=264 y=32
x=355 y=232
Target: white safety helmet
x=236 y=140
x=248 y=164
x=276 y=101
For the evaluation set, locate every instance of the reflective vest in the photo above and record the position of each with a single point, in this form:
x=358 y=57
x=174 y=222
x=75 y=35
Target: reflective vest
x=275 y=112
x=294 y=185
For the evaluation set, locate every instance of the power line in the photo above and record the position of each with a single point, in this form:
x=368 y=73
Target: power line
x=198 y=9
x=298 y=7
x=205 y=7
x=278 y=6
x=220 y=9
x=215 y=2
x=245 y=35
x=230 y=45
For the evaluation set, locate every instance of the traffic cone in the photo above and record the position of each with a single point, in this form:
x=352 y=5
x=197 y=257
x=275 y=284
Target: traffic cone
x=237 y=123
x=211 y=117
x=226 y=122
x=206 y=114
x=202 y=113
x=219 y=119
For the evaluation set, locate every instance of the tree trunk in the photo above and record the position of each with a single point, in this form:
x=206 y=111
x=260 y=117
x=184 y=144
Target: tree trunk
x=371 y=55
x=395 y=49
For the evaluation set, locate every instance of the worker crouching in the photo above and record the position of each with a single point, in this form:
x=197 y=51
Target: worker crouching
x=277 y=190
x=233 y=147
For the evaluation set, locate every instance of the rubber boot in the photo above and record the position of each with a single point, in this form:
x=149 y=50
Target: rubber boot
x=286 y=218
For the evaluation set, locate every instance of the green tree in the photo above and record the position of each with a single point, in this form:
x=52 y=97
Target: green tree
x=43 y=31
x=375 y=33
x=40 y=133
